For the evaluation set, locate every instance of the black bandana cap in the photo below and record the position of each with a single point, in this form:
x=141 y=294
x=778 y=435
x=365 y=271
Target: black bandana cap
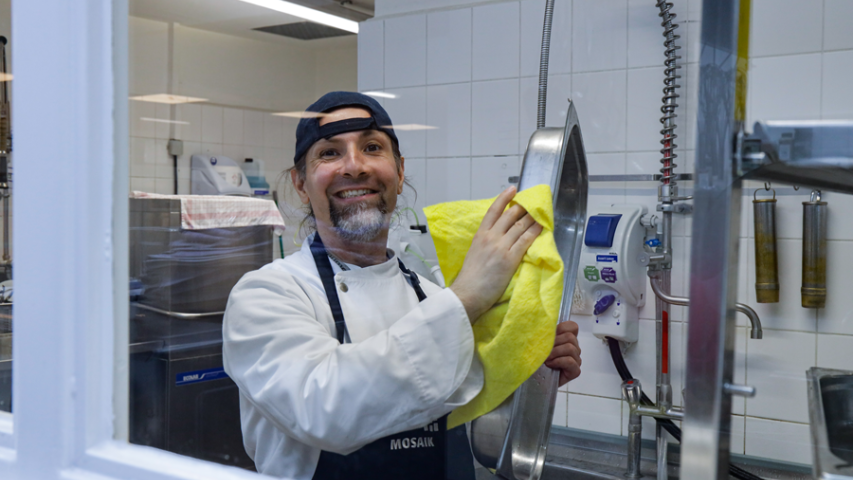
x=309 y=130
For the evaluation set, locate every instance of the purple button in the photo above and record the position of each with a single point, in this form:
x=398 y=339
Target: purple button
x=608 y=275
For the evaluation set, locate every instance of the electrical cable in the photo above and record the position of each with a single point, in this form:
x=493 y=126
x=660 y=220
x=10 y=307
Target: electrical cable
x=665 y=423
x=417 y=220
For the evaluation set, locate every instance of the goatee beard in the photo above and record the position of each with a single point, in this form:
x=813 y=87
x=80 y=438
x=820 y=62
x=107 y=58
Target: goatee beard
x=361 y=222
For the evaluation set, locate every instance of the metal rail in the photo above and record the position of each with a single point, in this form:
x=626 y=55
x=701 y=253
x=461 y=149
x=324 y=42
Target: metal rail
x=657 y=177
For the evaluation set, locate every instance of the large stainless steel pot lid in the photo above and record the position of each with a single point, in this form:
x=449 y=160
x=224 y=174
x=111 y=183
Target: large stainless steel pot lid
x=513 y=438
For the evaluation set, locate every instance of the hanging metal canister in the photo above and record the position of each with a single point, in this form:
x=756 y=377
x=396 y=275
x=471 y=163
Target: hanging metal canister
x=766 y=270
x=814 y=252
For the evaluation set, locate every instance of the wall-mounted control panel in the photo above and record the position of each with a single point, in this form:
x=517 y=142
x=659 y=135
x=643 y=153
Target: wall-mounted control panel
x=612 y=274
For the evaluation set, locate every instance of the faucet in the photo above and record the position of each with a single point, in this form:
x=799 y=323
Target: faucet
x=755 y=332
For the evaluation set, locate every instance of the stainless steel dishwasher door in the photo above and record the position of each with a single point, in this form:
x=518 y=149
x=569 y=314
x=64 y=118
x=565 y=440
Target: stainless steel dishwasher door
x=514 y=437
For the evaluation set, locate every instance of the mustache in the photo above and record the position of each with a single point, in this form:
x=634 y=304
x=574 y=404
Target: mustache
x=343 y=184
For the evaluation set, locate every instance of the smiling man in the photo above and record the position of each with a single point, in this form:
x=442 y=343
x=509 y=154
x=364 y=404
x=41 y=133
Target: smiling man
x=347 y=362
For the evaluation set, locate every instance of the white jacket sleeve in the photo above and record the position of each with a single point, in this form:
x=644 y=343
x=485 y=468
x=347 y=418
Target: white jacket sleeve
x=340 y=397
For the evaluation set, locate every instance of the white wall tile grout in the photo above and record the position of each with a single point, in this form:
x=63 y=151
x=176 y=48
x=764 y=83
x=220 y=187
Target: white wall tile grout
x=775 y=420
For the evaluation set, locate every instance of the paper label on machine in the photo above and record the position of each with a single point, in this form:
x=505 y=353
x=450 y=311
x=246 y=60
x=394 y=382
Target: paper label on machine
x=612 y=258
x=591 y=273
x=608 y=275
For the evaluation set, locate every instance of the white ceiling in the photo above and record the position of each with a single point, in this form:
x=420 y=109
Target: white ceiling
x=233 y=17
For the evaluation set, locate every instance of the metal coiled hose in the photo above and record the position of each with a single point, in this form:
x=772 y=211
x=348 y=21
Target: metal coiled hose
x=669 y=94
x=543 y=64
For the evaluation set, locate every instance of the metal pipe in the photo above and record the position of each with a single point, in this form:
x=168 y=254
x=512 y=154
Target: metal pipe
x=715 y=239
x=662 y=451
x=671 y=413
x=756 y=331
x=766 y=272
x=813 y=290
x=663 y=398
x=543 y=64
x=633 y=394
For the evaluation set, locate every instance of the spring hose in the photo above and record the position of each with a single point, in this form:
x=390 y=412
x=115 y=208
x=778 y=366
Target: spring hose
x=543 y=64
x=669 y=92
x=665 y=423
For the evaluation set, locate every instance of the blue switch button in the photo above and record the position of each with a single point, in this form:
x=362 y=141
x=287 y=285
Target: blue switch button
x=602 y=305
x=600 y=230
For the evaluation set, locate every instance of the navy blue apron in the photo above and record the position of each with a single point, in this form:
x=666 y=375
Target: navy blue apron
x=428 y=453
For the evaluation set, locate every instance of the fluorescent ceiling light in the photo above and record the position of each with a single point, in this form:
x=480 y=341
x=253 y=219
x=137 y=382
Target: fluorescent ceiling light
x=163 y=120
x=410 y=126
x=306 y=13
x=381 y=94
x=300 y=114
x=166 y=98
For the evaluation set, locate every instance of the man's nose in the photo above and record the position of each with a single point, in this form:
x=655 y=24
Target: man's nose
x=354 y=164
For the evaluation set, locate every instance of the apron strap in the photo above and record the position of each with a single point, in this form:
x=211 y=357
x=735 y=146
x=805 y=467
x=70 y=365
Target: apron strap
x=416 y=283
x=327 y=276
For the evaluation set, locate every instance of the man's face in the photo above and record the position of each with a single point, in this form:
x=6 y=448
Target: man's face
x=351 y=180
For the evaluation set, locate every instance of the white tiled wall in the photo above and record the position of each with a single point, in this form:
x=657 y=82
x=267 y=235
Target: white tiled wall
x=480 y=76
x=211 y=129
x=246 y=81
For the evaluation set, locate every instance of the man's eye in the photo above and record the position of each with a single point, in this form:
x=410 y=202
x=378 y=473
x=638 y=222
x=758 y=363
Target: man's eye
x=328 y=153
x=373 y=147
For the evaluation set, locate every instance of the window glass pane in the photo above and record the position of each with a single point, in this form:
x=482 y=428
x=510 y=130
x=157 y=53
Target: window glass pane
x=216 y=93
x=216 y=89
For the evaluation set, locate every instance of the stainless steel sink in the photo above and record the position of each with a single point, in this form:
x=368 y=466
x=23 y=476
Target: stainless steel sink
x=831 y=418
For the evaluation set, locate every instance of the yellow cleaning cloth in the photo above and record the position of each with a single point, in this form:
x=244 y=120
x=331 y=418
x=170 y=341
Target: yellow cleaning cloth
x=516 y=335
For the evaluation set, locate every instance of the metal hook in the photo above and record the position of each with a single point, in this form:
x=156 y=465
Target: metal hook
x=796 y=188
x=766 y=186
x=815 y=196
x=755 y=193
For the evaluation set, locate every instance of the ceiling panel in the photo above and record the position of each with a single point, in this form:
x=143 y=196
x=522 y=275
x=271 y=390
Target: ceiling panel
x=234 y=17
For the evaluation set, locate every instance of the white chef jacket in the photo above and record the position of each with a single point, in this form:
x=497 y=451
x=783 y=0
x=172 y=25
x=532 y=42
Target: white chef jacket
x=301 y=391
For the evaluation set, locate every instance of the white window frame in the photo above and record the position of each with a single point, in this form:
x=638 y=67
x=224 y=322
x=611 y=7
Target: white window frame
x=71 y=256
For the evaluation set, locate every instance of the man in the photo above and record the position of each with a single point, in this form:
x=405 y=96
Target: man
x=347 y=363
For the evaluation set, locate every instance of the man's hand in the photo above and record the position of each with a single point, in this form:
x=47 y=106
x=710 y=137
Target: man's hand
x=495 y=254
x=566 y=355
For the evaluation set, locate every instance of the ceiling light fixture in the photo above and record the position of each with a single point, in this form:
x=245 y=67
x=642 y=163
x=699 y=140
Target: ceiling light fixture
x=163 y=120
x=300 y=114
x=168 y=99
x=306 y=13
x=380 y=94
